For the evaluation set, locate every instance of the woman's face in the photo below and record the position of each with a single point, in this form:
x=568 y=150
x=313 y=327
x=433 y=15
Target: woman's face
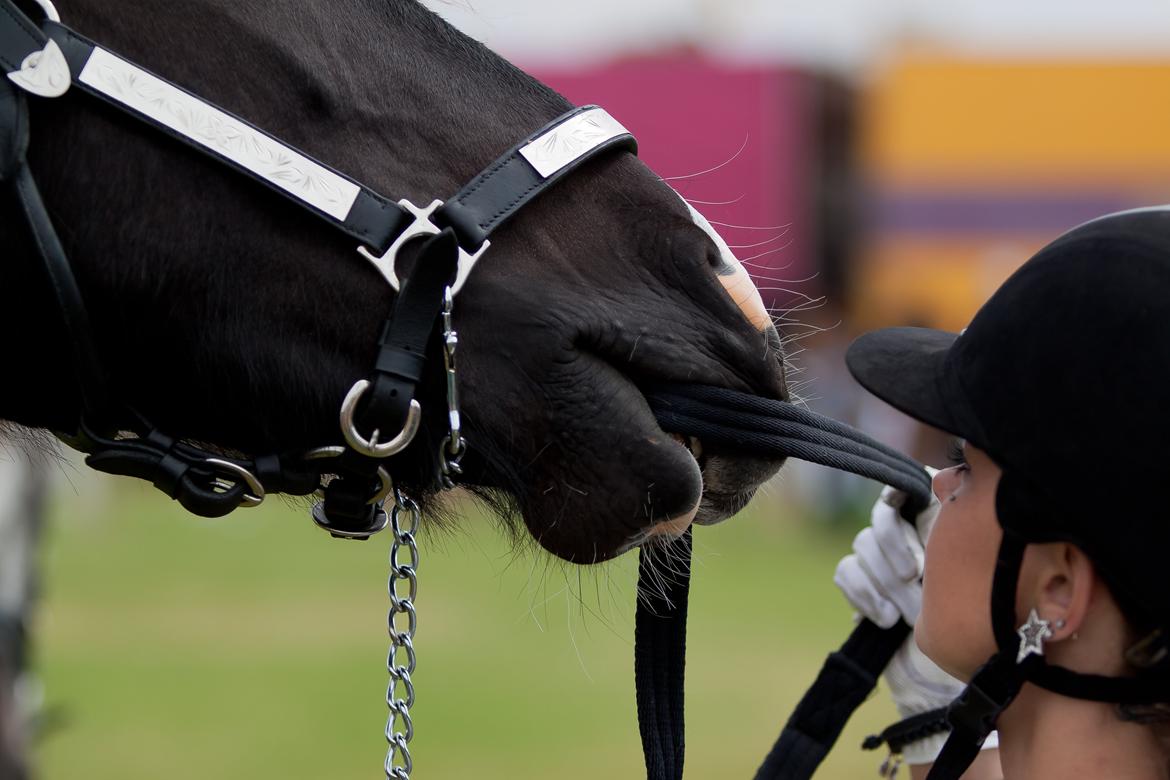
x=954 y=629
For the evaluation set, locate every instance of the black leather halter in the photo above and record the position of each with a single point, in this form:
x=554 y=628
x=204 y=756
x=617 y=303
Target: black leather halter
x=49 y=59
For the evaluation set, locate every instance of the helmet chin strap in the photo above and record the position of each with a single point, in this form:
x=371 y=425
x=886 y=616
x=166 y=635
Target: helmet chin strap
x=997 y=683
x=973 y=715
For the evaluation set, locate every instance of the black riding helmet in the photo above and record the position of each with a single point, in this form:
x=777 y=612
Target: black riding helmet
x=1063 y=379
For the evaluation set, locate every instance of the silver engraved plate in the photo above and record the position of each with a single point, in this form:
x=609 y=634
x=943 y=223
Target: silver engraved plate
x=220 y=133
x=570 y=140
x=44 y=72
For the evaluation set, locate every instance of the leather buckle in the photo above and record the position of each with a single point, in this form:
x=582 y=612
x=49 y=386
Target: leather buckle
x=421 y=226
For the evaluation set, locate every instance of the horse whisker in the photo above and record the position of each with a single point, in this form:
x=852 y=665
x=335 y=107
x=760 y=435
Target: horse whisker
x=786 y=226
x=770 y=252
x=694 y=201
x=805 y=280
x=764 y=267
x=776 y=237
x=717 y=167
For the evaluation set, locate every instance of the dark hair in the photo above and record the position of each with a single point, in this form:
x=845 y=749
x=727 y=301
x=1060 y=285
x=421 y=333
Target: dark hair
x=1148 y=657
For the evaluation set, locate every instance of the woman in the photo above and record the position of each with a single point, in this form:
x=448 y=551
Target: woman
x=1047 y=582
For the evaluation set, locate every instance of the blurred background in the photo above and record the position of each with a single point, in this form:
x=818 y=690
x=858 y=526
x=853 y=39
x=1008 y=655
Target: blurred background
x=873 y=163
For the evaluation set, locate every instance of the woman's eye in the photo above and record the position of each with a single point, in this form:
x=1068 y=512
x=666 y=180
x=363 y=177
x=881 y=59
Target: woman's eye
x=956 y=456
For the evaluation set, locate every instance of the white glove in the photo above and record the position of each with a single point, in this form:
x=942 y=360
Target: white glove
x=882 y=580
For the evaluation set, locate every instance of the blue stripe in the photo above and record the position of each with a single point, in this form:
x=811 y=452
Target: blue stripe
x=951 y=211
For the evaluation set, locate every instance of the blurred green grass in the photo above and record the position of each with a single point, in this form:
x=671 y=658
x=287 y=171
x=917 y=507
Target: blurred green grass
x=254 y=647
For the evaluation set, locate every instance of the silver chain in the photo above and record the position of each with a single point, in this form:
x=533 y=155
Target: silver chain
x=403 y=590
x=403 y=583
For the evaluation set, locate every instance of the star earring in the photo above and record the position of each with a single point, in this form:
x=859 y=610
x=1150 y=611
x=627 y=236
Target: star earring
x=1032 y=635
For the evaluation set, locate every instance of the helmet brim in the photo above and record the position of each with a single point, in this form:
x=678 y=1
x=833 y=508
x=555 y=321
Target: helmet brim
x=905 y=368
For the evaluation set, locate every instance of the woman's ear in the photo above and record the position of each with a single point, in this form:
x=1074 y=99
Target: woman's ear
x=1059 y=585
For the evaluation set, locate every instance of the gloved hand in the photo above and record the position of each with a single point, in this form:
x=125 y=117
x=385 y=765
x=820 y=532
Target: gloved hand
x=882 y=579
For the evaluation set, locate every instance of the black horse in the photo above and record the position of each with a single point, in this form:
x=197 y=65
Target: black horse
x=227 y=318
x=231 y=320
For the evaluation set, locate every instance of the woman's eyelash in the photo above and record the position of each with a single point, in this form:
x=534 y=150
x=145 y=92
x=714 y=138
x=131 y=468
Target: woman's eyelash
x=955 y=453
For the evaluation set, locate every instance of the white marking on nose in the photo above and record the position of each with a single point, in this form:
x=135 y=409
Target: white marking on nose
x=671 y=528
x=674 y=527
x=735 y=277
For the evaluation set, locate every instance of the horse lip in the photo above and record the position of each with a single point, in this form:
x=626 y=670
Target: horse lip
x=665 y=529
x=714 y=506
x=693 y=444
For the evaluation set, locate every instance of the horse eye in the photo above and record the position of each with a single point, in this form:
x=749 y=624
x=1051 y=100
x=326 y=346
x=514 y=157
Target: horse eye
x=717 y=263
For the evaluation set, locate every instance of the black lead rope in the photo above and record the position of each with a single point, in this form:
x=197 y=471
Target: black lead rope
x=660 y=643
x=761 y=427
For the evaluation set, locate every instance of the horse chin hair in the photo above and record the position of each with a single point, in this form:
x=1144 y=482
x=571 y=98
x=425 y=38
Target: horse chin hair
x=37 y=445
x=665 y=565
x=504 y=501
x=504 y=507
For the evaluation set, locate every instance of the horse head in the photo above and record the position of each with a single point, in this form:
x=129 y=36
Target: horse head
x=226 y=317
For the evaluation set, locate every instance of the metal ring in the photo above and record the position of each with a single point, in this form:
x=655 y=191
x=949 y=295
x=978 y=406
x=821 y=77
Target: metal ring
x=412 y=549
x=386 y=487
x=372 y=447
x=394 y=631
x=392 y=665
x=386 y=483
x=324 y=453
x=249 y=500
x=381 y=518
x=398 y=712
x=398 y=746
x=50 y=10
